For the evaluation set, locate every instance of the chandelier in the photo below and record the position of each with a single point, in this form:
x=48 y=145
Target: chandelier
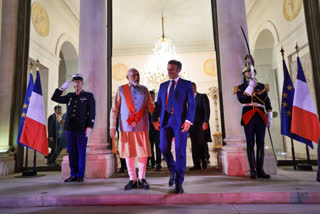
x=156 y=69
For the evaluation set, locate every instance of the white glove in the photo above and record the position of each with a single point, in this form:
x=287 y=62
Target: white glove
x=253 y=83
x=88 y=131
x=269 y=118
x=65 y=85
x=251 y=86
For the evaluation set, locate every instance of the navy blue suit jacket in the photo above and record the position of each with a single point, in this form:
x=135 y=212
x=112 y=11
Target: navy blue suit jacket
x=183 y=103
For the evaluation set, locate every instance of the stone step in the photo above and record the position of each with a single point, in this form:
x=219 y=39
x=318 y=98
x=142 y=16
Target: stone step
x=162 y=199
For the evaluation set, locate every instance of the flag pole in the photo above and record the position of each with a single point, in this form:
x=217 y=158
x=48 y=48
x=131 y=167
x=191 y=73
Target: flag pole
x=26 y=172
x=292 y=145
x=308 y=166
x=293 y=155
x=27 y=148
x=35 y=152
x=26 y=159
x=308 y=155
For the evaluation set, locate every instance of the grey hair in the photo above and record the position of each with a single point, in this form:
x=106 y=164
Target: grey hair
x=132 y=69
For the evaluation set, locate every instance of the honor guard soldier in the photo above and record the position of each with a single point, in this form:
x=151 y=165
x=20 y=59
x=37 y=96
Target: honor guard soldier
x=78 y=124
x=255 y=101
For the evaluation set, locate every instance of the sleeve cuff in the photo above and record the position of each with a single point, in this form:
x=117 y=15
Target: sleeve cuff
x=188 y=122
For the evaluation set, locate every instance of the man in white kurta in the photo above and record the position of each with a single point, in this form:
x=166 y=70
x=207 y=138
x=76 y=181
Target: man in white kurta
x=131 y=104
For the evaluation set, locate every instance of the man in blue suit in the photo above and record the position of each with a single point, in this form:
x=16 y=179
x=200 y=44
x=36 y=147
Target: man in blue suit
x=176 y=108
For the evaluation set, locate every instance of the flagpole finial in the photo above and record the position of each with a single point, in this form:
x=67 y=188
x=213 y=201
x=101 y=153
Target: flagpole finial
x=297 y=49
x=31 y=66
x=38 y=64
x=282 y=52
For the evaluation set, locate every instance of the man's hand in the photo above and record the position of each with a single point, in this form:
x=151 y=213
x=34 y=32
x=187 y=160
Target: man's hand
x=65 y=85
x=205 y=126
x=185 y=126
x=88 y=131
x=156 y=125
x=253 y=83
x=112 y=133
x=51 y=139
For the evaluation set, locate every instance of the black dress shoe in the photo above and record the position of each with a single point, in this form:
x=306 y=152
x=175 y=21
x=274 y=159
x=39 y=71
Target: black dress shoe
x=143 y=184
x=204 y=164
x=195 y=168
x=172 y=179
x=80 y=179
x=158 y=167
x=53 y=164
x=262 y=174
x=253 y=174
x=179 y=189
x=121 y=170
x=71 y=179
x=131 y=185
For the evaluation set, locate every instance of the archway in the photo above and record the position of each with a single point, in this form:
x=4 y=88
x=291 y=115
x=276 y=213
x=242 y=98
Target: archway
x=267 y=74
x=68 y=62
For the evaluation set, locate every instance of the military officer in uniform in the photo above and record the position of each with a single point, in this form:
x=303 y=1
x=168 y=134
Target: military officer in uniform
x=255 y=101
x=78 y=124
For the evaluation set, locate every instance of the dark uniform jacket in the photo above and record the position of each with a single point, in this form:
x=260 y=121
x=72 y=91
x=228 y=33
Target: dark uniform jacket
x=53 y=126
x=260 y=96
x=202 y=114
x=81 y=109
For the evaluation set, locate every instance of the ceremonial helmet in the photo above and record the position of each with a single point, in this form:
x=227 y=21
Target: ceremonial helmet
x=247 y=66
x=77 y=77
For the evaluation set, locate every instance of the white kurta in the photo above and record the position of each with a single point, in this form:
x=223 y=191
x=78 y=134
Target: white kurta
x=131 y=143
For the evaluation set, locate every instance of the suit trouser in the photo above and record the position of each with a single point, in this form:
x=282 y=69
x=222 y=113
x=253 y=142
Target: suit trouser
x=255 y=132
x=55 y=150
x=77 y=144
x=166 y=135
x=123 y=163
x=154 y=138
x=206 y=152
x=198 y=146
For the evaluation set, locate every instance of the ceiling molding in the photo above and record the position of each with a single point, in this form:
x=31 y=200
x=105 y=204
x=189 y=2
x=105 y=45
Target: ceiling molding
x=147 y=49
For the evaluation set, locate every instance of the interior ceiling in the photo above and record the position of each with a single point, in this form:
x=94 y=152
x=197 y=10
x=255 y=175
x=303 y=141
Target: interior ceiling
x=137 y=24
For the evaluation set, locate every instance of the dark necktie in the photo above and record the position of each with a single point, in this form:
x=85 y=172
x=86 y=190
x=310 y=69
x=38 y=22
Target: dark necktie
x=171 y=96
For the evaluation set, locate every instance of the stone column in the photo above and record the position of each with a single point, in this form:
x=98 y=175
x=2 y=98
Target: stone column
x=92 y=64
x=8 y=47
x=232 y=15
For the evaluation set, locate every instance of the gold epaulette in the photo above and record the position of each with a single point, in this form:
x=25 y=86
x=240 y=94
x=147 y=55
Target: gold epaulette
x=266 y=86
x=235 y=89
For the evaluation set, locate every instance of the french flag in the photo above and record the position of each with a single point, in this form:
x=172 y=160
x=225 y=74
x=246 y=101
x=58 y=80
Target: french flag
x=34 y=133
x=305 y=122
